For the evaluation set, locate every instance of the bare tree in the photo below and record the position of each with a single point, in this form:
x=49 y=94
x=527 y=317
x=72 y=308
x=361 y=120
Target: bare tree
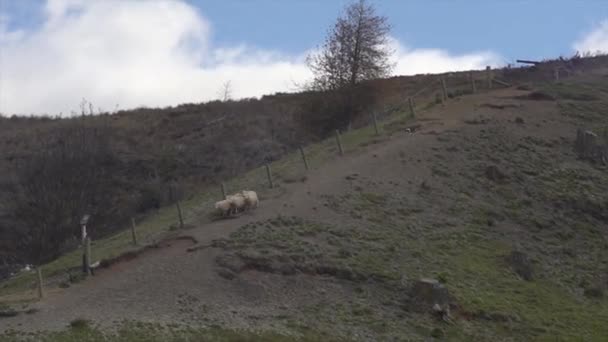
x=356 y=49
x=67 y=178
x=226 y=91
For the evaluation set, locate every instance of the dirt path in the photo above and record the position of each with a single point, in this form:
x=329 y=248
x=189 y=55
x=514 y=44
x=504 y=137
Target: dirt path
x=173 y=285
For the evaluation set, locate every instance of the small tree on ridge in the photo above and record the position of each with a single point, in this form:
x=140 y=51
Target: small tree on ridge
x=356 y=49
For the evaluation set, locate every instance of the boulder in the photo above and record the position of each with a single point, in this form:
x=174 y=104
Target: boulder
x=588 y=146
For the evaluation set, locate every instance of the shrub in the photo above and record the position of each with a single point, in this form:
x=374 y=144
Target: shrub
x=80 y=323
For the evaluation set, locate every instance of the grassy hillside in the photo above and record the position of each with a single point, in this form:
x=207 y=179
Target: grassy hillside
x=442 y=215
x=197 y=207
x=187 y=145
x=191 y=146
x=487 y=196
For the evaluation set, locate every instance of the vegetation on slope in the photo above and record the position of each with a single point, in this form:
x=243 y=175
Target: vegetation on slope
x=461 y=229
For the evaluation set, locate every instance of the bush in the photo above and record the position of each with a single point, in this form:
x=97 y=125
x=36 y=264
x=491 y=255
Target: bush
x=442 y=277
x=324 y=112
x=437 y=333
x=68 y=177
x=8 y=312
x=594 y=292
x=150 y=197
x=80 y=323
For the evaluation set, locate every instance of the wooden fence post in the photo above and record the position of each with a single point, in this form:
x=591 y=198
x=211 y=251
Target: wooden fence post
x=375 y=119
x=444 y=88
x=489 y=76
x=412 y=107
x=223 y=186
x=40 y=284
x=304 y=158
x=174 y=196
x=87 y=256
x=269 y=175
x=473 y=86
x=179 y=214
x=339 y=142
x=133 y=233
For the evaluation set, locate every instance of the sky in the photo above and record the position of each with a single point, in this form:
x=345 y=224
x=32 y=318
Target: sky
x=121 y=54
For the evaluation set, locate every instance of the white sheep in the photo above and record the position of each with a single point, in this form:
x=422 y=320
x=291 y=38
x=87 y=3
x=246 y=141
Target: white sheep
x=223 y=207
x=251 y=199
x=237 y=202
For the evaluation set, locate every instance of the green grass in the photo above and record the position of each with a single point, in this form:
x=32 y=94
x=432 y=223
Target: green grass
x=575 y=90
x=144 y=332
x=469 y=259
x=471 y=264
x=541 y=309
x=582 y=100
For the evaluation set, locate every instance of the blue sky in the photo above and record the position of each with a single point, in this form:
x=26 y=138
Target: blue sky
x=131 y=52
x=513 y=28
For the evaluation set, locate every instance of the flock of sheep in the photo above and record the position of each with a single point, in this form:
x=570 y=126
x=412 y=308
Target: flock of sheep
x=239 y=202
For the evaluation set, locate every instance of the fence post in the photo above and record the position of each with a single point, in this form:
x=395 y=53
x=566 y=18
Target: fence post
x=223 y=186
x=40 y=284
x=269 y=175
x=174 y=196
x=412 y=107
x=339 y=141
x=556 y=74
x=87 y=256
x=444 y=89
x=489 y=76
x=473 y=86
x=304 y=158
x=133 y=233
x=179 y=214
x=375 y=118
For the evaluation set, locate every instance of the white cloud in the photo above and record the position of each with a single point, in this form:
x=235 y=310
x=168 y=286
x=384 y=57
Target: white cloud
x=152 y=53
x=422 y=61
x=595 y=41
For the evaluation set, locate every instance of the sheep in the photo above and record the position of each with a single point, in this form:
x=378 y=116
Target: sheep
x=237 y=202
x=251 y=199
x=224 y=207
x=241 y=201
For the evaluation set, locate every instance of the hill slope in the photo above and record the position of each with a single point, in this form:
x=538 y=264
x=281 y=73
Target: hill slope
x=334 y=252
